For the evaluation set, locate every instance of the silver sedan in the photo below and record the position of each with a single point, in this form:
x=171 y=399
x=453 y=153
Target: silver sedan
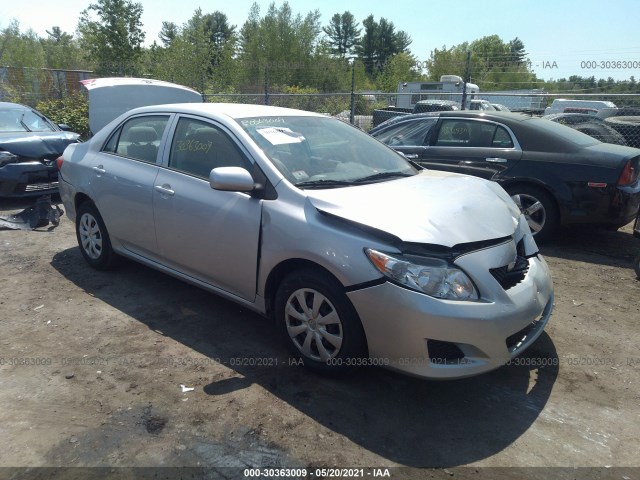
x=362 y=258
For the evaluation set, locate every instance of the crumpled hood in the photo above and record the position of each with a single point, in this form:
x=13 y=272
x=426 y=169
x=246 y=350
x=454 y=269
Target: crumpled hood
x=432 y=207
x=30 y=145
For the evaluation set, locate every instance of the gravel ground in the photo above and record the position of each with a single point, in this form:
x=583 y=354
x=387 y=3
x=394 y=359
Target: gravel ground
x=93 y=364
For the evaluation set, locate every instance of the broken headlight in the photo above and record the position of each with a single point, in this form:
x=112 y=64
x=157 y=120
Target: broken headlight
x=432 y=276
x=6 y=157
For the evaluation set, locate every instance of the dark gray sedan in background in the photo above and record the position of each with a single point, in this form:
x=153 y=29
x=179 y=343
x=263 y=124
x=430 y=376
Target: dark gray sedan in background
x=555 y=174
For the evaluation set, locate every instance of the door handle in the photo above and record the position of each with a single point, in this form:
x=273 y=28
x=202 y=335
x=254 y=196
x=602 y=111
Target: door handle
x=496 y=160
x=411 y=156
x=99 y=170
x=164 y=189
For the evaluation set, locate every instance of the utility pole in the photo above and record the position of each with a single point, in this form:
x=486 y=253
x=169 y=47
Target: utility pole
x=266 y=84
x=353 y=93
x=465 y=79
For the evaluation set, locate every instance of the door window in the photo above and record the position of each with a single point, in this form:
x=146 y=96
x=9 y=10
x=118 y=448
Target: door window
x=138 y=138
x=198 y=147
x=407 y=134
x=470 y=133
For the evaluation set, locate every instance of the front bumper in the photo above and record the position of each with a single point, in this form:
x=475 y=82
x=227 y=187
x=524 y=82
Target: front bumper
x=402 y=325
x=25 y=179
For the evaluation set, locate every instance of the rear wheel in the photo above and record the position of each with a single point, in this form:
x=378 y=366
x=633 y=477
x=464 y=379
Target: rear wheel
x=93 y=237
x=319 y=323
x=538 y=208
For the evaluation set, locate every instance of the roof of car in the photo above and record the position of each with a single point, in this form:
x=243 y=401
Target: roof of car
x=443 y=102
x=505 y=117
x=489 y=115
x=232 y=110
x=7 y=105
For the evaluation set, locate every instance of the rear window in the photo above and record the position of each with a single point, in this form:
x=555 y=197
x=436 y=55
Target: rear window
x=566 y=133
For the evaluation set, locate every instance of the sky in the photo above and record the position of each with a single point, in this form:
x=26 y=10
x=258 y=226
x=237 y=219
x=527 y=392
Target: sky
x=561 y=37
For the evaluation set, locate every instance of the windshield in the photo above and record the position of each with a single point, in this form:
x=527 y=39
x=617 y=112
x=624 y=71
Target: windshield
x=23 y=120
x=323 y=152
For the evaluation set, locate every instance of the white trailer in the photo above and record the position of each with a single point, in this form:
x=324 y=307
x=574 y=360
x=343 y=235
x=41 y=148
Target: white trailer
x=450 y=87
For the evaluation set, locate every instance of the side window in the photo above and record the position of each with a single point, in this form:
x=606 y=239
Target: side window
x=502 y=139
x=138 y=138
x=454 y=133
x=470 y=133
x=198 y=147
x=407 y=134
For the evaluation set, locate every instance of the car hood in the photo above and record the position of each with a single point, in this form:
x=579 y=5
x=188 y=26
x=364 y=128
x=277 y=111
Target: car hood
x=30 y=145
x=432 y=207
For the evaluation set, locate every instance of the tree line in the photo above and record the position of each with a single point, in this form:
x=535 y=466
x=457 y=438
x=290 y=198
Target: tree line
x=278 y=49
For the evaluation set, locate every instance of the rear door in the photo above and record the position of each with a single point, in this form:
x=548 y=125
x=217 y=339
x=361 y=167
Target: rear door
x=123 y=175
x=471 y=146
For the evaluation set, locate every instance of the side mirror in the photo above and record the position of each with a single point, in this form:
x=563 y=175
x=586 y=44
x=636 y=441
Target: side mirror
x=64 y=126
x=231 y=179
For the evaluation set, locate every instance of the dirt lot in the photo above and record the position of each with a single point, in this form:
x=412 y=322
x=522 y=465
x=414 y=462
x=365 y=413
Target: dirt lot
x=92 y=363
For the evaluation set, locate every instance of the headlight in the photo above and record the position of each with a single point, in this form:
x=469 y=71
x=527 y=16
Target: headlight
x=432 y=276
x=6 y=157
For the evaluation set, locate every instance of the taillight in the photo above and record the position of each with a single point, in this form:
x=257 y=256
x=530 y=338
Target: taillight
x=59 y=162
x=629 y=173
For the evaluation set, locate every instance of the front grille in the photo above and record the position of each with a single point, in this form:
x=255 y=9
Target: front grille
x=509 y=278
x=37 y=187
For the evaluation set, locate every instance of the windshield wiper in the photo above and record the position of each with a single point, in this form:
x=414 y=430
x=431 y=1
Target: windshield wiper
x=24 y=125
x=382 y=175
x=323 y=183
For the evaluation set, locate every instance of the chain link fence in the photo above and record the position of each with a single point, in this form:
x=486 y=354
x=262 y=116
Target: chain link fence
x=611 y=118
x=32 y=85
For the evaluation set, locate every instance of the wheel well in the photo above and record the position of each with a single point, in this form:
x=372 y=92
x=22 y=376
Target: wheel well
x=80 y=199
x=282 y=270
x=540 y=186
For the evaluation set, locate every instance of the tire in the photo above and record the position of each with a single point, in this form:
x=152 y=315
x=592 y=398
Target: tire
x=637 y=267
x=330 y=340
x=93 y=238
x=601 y=132
x=628 y=127
x=538 y=208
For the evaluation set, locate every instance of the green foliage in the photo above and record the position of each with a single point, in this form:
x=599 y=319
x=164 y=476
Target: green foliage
x=278 y=50
x=493 y=64
x=379 y=43
x=398 y=68
x=114 y=39
x=343 y=34
x=61 y=50
x=72 y=110
x=20 y=49
x=280 y=44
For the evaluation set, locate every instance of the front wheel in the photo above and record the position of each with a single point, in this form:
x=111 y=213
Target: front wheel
x=319 y=323
x=538 y=208
x=93 y=237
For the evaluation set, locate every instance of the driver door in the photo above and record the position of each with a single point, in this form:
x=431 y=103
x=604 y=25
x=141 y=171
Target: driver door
x=210 y=235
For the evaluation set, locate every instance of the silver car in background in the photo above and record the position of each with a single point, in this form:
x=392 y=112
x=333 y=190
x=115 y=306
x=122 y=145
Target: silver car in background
x=362 y=258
